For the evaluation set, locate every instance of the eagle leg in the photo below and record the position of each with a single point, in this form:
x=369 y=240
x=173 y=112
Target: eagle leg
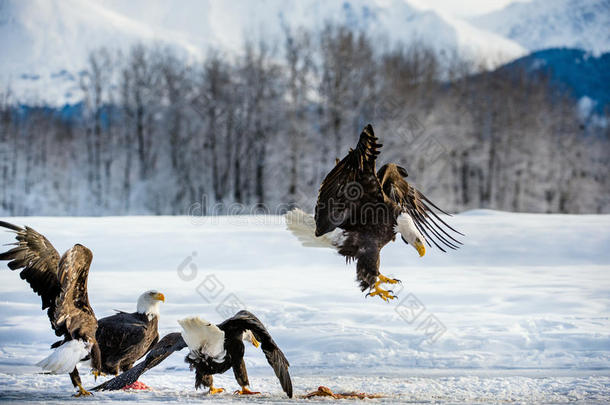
x=214 y=391
x=384 y=294
x=245 y=391
x=77 y=383
x=97 y=373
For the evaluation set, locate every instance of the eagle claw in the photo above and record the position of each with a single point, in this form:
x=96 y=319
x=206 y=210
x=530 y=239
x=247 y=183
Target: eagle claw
x=82 y=392
x=97 y=373
x=385 y=280
x=385 y=295
x=245 y=391
x=214 y=391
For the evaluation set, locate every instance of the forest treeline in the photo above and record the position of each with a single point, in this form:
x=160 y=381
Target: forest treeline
x=157 y=133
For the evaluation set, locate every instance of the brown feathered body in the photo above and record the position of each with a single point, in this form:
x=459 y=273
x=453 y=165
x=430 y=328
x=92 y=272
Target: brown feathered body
x=61 y=283
x=365 y=204
x=124 y=338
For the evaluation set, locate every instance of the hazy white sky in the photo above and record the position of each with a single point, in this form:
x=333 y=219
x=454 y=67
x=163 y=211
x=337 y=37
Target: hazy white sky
x=463 y=8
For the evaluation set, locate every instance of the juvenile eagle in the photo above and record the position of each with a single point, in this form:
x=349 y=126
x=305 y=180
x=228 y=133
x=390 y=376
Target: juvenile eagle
x=61 y=284
x=359 y=211
x=125 y=337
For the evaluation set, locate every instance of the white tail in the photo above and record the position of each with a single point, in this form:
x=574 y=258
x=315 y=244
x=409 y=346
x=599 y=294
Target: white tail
x=202 y=336
x=65 y=357
x=303 y=226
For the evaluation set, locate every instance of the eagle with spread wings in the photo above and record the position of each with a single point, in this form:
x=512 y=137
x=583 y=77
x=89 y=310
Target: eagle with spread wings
x=360 y=210
x=61 y=283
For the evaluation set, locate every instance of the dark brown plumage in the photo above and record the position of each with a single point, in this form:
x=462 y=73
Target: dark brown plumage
x=170 y=343
x=204 y=365
x=369 y=206
x=234 y=328
x=61 y=284
x=124 y=338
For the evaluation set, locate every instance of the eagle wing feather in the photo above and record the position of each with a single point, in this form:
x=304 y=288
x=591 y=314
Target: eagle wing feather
x=418 y=206
x=245 y=320
x=39 y=260
x=349 y=185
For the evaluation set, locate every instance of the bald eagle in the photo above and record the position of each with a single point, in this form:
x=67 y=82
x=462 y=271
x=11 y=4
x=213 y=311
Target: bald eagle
x=125 y=337
x=61 y=283
x=359 y=211
x=214 y=349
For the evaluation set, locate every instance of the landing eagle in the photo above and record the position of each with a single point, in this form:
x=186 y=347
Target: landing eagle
x=359 y=211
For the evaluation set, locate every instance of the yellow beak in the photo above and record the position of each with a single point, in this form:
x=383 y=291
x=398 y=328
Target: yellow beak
x=159 y=297
x=254 y=342
x=421 y=249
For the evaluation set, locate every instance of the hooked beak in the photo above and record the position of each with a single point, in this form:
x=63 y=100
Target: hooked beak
x=419 y=246
x=421 y=249
x=159 y=297
x=254 y=341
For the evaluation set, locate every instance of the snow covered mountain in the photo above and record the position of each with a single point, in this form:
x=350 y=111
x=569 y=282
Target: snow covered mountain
x=581 y=75
x=541 y=24
x=45 y=42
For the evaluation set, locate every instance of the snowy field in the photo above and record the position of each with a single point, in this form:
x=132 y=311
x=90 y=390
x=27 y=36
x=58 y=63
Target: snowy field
x=520 y=314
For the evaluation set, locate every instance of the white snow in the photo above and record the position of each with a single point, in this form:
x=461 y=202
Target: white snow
x=519 y=314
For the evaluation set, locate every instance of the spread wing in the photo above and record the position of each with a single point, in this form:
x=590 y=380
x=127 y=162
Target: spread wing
x=123 y=333
x=418 y=206
x=245 y=320
x=73 y=313
x=169 y=344
x=349 y=185
x=39 y=260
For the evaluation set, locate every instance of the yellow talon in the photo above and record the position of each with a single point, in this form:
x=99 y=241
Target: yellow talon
x=245 y=391
x=97 y=373
x=214 y=391
x=82 y=392
x=384 y=279
x=384 y=294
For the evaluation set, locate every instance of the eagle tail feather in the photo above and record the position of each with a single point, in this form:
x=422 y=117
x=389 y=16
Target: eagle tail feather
x=303 y=226
x=65 y=357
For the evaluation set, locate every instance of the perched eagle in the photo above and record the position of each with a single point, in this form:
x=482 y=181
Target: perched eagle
x=214 y=349
x=61 y=284
x=359 y=211
x=125 y=337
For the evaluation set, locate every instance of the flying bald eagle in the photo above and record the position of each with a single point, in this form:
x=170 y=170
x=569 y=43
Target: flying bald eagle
x=61 y=284
x=359 y=211
x=216 y=348
x=125 y=337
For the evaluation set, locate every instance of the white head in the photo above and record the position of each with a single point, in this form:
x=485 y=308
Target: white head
x=249 y=336
x=409 y=233
x=148 y=303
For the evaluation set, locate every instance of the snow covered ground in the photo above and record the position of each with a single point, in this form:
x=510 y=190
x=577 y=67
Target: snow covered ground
x=520 y=314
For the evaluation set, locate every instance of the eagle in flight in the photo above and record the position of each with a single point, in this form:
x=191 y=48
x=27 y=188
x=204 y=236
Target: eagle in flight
x=360 y=210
